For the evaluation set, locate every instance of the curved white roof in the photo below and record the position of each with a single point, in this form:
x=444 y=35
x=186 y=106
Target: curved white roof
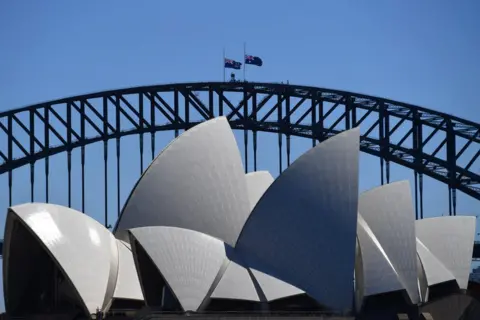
x=379 y=275
x=273 y=288
x=257 y=183
x=450 y=240
x=236 y=283
x=197 y=182
x=188 y=260
x=435 y=271
x=388 y=211
x=423 y=288
x=310 y=201
x=128 y=284
x=82 y=247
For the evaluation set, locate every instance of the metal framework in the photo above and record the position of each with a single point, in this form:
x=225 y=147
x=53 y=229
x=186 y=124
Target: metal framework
x=431 y=143
x=476 y=251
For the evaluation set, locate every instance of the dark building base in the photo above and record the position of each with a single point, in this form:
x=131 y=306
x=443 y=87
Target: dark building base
x=233 y=316
x=387 y=306
x=453 y=307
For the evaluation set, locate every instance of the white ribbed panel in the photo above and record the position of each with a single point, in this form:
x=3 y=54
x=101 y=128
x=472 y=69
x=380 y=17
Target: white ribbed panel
x=379 y=275
x=274 y=288
x=188 y=260
x=126 y=244
x=450 y=240
x=236 y=283
x=197 y=182
x=128 y=285
x=293 y=232
x=257 y=183
x=388 y=211
x=435 y=271
x=84 y=249
x=422 y=281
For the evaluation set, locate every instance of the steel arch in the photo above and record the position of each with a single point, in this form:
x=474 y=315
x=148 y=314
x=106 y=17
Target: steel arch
x=287 y=110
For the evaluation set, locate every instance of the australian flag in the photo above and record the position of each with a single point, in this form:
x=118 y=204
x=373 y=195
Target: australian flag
x=256 y=61
x=232 y=64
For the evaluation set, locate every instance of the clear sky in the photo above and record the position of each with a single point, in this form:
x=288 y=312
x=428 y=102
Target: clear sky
x=421 y=52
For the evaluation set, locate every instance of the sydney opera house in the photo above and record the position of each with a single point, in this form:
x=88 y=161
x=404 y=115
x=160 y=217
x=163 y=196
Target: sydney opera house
x=197 y=235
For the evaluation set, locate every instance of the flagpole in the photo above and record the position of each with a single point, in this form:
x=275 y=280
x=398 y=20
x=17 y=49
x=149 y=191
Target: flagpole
x=223 y=64
x=244 y=64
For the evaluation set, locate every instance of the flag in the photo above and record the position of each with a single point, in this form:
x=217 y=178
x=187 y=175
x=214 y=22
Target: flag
x=232 y=64
x=256 y=61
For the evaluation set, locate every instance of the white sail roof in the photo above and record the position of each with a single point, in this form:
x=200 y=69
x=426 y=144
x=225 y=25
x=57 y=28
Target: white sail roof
x=450 y=240
x=379 y=274
x=310 y=201
x=128 y=284
x=197 y=182
x=257 y=183
x=435 y=271
x=188 y=260
x=236 y=283
x=72 y=238
x=273 y=288
x=388 y=211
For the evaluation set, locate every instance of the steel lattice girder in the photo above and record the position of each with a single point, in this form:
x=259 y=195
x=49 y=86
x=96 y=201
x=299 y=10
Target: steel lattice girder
x=62 y=125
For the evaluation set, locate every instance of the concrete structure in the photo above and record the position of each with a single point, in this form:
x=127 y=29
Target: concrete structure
x=310 y=202
x=388 y=211
x=450 y=240
x=197 y=234
x=204 y=166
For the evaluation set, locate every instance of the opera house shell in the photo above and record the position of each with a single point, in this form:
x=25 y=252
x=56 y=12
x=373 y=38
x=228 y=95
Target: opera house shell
x=198 y=234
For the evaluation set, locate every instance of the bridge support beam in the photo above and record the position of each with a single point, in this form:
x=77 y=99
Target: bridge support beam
x=318 y=114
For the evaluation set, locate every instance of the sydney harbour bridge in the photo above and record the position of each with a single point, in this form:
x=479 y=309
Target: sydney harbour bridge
x=443 y=147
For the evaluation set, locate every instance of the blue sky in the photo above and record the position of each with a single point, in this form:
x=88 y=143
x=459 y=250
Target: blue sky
x=421 y=52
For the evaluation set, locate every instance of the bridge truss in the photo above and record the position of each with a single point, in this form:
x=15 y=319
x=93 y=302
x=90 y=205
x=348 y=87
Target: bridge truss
x=430 y=143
